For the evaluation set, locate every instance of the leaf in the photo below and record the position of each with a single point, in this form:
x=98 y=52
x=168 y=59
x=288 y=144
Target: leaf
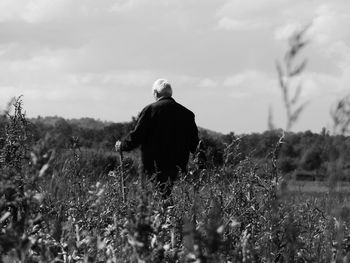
x=297 y=112
x=132 y=241
x=297 y=70
x=4 y=217
x=296 y=95
x=43 y=169
x=280 y=77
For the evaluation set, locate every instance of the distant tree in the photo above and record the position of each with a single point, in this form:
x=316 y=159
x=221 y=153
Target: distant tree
x=311 y=159
x=267 y=142
x=291 y=146
x=115 y=131
x=287 y=164
x=63 y=132
x=213 y=148
x=341 y=116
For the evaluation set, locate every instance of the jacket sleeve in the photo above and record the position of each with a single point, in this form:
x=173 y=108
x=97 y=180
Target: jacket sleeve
x=138 y=135
x=193 y=135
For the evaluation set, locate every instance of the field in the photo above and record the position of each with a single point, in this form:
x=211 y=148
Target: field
x=318 y=187
x=57 y=207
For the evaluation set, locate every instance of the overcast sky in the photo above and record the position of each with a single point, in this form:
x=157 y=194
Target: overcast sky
x=88 y=58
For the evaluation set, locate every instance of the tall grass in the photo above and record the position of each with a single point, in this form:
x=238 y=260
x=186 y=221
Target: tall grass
x=54 y=208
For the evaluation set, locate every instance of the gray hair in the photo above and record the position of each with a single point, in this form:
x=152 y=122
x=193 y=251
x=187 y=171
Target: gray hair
x=162 y=87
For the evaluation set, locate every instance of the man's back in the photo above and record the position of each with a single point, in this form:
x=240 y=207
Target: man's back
x=173 y=134
x=167 y=133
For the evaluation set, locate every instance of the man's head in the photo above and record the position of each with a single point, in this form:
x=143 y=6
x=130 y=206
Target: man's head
x=162 y=88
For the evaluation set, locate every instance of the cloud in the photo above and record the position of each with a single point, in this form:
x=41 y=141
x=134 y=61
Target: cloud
x=127 y=5
x=170 y=36
x=316 y=85
x=115 y=79
x=32 y=11
x=249 y=14
x=207 y=83
x=328 y=21
x=329 y=45
x=239 y=25
x=40 y=11
x=330 y=32
x=6 y=92
x=46 y=76
x=250 y=83
x=283 y=33
x=327 y=85
x=285 y=16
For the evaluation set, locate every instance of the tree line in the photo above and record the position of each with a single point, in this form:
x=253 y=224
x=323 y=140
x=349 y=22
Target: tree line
x=317 y=154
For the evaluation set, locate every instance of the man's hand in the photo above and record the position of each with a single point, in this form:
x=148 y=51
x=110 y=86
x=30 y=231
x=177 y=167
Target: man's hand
x=117 y=145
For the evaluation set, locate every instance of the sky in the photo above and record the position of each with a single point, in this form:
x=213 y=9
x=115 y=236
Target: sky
x=99 y=59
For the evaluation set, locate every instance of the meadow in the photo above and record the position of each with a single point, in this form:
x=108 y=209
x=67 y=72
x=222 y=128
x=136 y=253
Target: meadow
x=58 y=207
x=66 y=196
x=318 y=187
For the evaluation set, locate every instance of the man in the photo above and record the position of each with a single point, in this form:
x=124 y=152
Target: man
x=167 y=133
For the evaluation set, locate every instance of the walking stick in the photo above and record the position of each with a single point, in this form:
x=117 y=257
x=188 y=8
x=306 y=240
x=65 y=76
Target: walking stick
x=121 y=159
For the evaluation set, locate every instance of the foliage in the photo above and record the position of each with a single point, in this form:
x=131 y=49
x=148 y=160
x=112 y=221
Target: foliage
x=312 y=159
x=98 y=139
x=340 y=115
x=66 y=205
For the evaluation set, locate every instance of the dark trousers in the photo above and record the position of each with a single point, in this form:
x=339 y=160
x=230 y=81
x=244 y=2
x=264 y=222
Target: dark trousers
x=165 y=180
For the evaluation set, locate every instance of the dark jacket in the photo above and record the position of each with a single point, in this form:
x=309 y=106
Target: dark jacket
x=167 y=133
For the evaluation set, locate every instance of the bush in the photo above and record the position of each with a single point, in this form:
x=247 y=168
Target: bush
x=287 y=164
